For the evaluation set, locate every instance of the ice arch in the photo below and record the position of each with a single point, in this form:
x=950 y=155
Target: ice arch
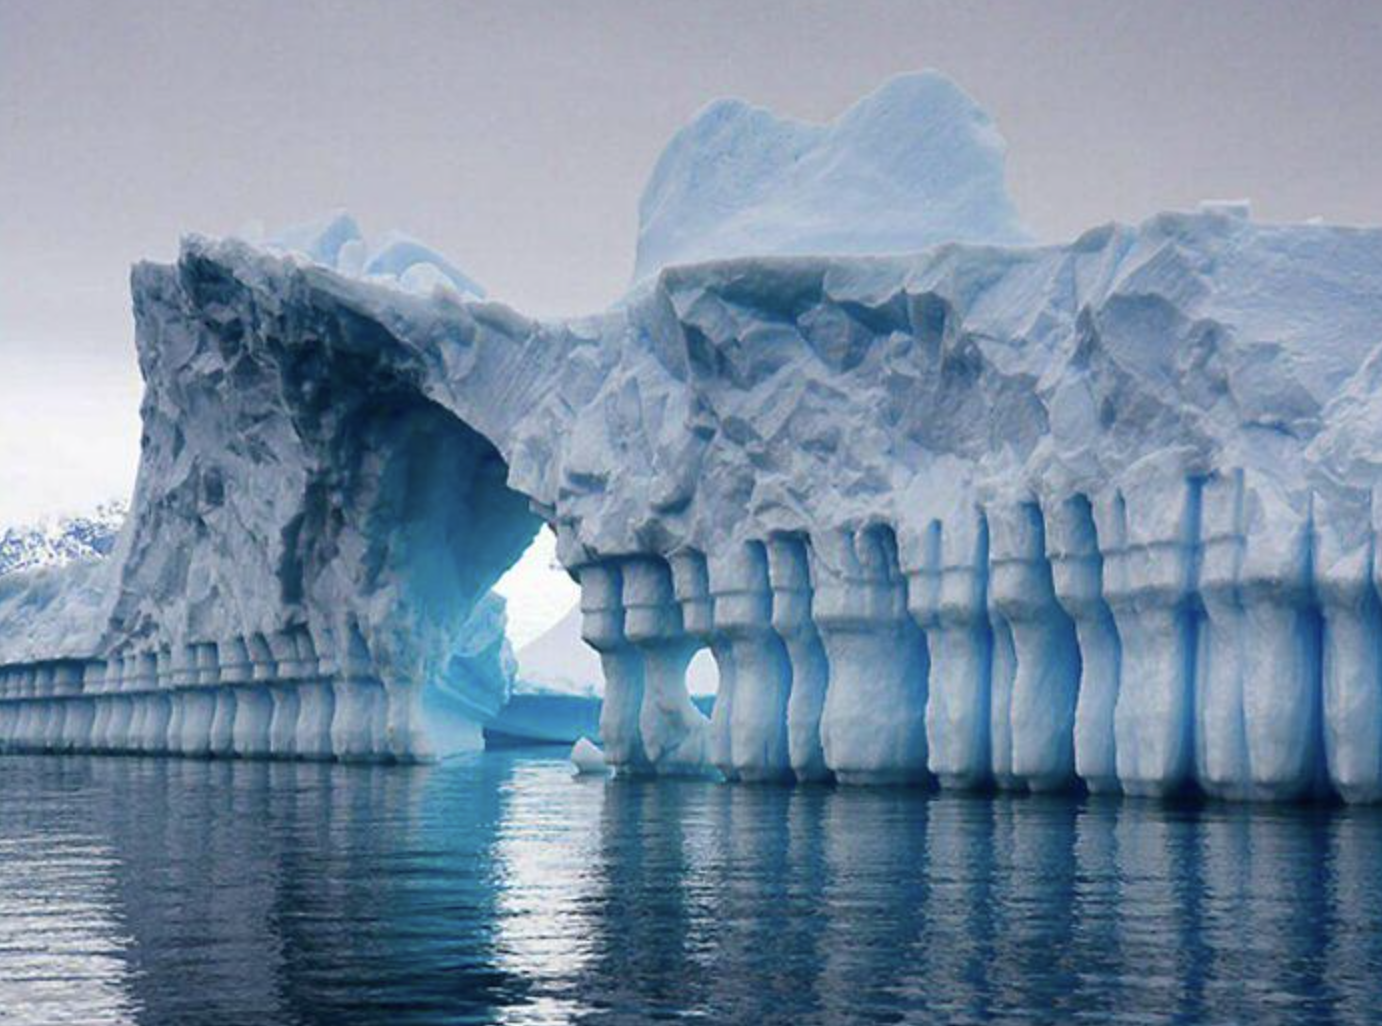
x=313 y=539
x=998 y=515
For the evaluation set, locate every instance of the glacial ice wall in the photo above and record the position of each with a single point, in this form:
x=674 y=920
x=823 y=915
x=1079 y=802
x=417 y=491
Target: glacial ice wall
x=989 y=515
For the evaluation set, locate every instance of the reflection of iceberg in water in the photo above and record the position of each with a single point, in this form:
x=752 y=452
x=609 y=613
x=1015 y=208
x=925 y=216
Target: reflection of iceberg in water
x=826 y=906
x=543 y=863
x=55 y=880
x=499 y=889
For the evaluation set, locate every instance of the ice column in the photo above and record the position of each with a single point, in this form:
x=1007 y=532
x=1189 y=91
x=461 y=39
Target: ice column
x=152 y=710
x=101 y=683
x=947 y=595
x=283 y=724
x=47 y=713
x=60 y=688
x=1259 y=731
x=236 y=676
x=160 y=705
x=133 y=684
x=742 y=606
x=26 y=723
x=316 y=703
x=8 y=708
x=360 y=705
x=691 y=579
x=674 y=731
x=404 y=740
x=1346 y=571
x=1220 y=728
x=790 y=577
x=1149 y=532
x=201 y=697
x=175 y=673
x=1077 y=572
x=79 y=712
x=254 y=707
x=96 y=684
x=873 y=725
x=117 y=738
x=175 y=690
x=1040 y=716
x=23 y=718
x=602 y=627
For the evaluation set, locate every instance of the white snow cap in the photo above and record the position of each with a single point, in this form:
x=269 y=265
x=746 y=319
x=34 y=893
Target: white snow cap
x=912 y=165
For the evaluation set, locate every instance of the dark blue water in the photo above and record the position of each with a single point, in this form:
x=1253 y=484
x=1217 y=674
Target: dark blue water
x=501 y=890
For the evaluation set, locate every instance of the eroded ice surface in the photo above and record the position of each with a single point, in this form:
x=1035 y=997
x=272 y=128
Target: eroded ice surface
x=1012 y=516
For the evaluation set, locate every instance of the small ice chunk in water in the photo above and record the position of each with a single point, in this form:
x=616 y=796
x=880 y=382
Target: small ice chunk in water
x=587 y=758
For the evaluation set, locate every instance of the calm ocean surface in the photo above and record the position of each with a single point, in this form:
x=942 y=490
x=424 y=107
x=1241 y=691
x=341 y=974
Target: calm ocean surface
x=499 y=889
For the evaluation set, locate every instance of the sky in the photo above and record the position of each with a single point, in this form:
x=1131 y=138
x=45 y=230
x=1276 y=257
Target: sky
x=515 y=137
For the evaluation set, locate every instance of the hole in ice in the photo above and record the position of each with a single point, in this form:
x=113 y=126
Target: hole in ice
x=544 y=622
x=538 y=591
x=703 y=680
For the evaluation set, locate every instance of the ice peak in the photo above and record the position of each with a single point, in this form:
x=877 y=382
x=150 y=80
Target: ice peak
x=914 y=164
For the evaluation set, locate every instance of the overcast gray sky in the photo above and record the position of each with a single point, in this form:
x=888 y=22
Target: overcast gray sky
x=516 y=136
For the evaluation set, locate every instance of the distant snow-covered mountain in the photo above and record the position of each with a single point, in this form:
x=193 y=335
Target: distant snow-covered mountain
x=62 y=540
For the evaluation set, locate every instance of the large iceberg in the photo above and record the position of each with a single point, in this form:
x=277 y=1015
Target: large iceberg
x=986 y=513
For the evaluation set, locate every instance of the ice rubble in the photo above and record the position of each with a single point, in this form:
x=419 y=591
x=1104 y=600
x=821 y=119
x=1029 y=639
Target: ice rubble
x=992 y=515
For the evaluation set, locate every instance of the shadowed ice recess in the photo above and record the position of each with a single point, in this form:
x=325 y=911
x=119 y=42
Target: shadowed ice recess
x=943 y=504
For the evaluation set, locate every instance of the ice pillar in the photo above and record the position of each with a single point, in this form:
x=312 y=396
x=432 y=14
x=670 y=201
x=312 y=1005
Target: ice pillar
x=1077 y=572
x=790 y=578
x=360 y=706
x=602 y=628
x=201 y=698
x=117 y=737
x=873 y=724
x=283 y=723
x=673 y=730
x=1346 y=573
x=236 y=676
x=1040 y=715
x=742 y=613
x=947 y=595
x=691 y=579
x=1258 y=729
x=316 y=703
x=254 y=707
x=1149 y=533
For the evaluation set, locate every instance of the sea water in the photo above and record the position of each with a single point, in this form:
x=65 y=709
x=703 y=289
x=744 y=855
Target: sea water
x=500 y=889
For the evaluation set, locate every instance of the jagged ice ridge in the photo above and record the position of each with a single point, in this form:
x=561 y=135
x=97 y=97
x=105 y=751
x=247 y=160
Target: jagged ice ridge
x=987 y=513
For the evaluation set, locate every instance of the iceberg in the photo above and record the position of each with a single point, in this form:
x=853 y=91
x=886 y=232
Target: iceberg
x=943 y=505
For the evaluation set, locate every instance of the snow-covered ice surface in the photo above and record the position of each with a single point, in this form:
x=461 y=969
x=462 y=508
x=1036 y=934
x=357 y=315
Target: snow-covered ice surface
x=992 y=514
